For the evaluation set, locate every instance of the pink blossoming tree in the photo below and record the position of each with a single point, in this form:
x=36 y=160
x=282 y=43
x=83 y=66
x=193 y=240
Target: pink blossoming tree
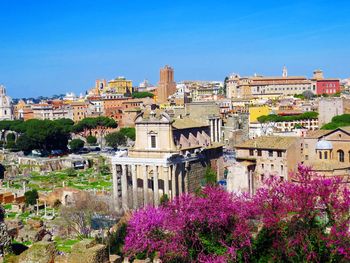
x=302 y=221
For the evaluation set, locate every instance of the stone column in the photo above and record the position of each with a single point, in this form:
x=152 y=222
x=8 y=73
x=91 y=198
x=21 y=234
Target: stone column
x=145 y=185
x=217 y=129
x=214 y=130
x=180 y=181
x=134 y=186
x=155 y=186
x=251 y=182
x=166 y=180
x=173 y=181
x=211 y=123
x=220 y=135
x=124 y=188
x=115 y=187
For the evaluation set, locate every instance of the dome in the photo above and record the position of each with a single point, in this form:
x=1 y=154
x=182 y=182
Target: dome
x=324 y=145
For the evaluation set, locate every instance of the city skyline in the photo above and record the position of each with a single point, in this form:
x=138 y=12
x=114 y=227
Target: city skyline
x=46 y=48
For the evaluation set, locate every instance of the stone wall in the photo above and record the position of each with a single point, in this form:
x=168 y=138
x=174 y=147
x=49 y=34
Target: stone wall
x=195 y=175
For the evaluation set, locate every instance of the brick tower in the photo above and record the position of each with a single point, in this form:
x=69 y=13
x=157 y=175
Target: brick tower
x=166 y=85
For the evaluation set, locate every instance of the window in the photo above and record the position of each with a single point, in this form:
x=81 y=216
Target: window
x=306 y=157
x=320 y=155
x=279 y=154
x=326 y=155
x=262 y=177
x=251 y=152
x=341 y=156
x=282 y=168
x=272 y=167
x=270 y=153
x=259 y=153
x=262 y=166
x=306 y=145
x=153 y=141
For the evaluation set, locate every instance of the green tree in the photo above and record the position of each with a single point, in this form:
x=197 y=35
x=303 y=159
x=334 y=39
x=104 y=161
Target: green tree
x=2 y=213
x=115 y=139
x=164 y=199
x=129 y=132
x=76 y=145
x=141 y=95
x=26 y=144
x=100 y=124
x=225 y=85
x=277 y=118
x=91 y=140
x=11 y=137
x=31 y=197
x=210 y=176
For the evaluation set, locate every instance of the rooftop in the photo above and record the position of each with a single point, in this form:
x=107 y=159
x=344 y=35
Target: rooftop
x=330 y=165
x=269 y=142
x=187 y=123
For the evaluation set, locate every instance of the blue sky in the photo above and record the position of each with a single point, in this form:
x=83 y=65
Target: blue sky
x=51 y=47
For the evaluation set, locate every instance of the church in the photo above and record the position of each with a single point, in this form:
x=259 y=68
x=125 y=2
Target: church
x=169 y=158
x=6 y=109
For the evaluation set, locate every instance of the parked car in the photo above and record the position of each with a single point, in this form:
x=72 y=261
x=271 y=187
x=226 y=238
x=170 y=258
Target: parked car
x=94 y=148
x=55 y=153
x=39 y=153
x=84 y=151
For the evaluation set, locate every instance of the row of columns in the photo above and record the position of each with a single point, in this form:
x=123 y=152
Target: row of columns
x=121 y=191
x=215 y=129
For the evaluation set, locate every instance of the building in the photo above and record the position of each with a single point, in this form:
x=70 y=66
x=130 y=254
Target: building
x=95 y=106
x=268 y=155
x=327 y=152
x=325 y=86
x=235 y=129
x=80 y=109
x=6 y=109
x=283 y=128
x=119 y=85
x=166 y=85
x=52 y=110
x=330 y=107
x=268 y=87
x=206 y=112
x=257 y=111
x=169 y=158
x=19 y=109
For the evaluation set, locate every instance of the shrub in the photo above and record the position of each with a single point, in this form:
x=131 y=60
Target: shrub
x=115 y=139
x=71 y=172
x=31 y=197
x=91 y=140
x=141 y=95
x=76 y=145
x=129 y=132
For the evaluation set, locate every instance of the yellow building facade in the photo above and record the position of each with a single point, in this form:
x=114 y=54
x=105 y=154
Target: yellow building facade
x=119 y=85
x=256 y=111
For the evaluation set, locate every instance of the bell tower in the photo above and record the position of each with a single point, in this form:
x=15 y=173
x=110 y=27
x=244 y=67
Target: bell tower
x=284 y=72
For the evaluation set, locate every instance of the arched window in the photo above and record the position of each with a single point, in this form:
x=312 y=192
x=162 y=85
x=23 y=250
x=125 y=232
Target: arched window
x=340 y=156
x=326 y=155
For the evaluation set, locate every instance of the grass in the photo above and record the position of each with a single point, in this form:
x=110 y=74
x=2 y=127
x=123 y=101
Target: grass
x=85 y=180
x=11 y=215
x=65 y=245
x=8 y=206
